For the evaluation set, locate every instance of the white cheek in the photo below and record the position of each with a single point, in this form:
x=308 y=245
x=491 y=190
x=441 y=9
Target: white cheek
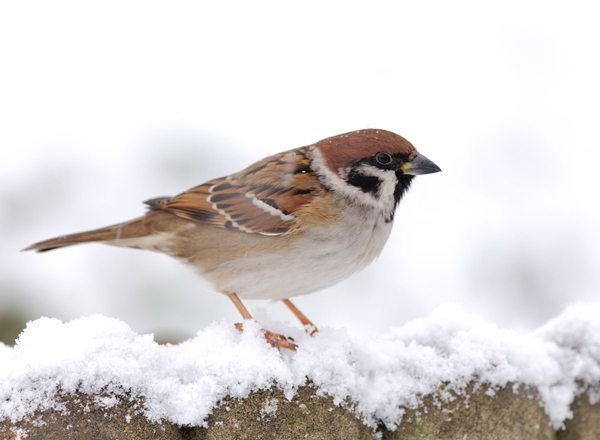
x=385 y=196
x=383 y=201
x=331 y=179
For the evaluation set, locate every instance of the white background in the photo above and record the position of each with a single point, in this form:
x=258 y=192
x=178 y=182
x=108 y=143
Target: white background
x=106 y=104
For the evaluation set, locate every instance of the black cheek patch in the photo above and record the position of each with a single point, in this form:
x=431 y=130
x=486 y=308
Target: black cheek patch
x=368 y=184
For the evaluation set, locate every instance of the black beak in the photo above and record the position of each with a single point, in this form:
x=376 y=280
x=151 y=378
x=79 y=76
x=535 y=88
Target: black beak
x=420 y=165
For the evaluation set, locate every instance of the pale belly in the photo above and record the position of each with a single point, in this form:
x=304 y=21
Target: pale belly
x=315 y=261
x=254 y=268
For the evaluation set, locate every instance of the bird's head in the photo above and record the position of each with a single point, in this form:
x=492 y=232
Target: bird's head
x=376 y=166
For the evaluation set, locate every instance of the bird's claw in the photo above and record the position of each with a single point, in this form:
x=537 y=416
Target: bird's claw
x=275 y=339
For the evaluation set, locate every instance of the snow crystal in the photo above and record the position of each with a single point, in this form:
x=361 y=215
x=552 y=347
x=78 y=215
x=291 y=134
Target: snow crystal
x=380 y=375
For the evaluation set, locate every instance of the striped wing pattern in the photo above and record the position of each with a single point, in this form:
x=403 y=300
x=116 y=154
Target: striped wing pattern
x=259 y=199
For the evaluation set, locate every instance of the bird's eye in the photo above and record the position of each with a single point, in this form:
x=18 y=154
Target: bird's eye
x=383 y=158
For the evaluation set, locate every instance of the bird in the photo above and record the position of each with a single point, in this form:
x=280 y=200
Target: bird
x=290 y=224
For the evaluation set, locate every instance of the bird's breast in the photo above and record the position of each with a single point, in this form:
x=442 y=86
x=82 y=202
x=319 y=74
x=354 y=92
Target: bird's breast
x=305 y=262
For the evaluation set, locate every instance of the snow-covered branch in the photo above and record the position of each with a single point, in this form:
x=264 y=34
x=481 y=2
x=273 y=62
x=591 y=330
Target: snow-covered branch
x=448 y=373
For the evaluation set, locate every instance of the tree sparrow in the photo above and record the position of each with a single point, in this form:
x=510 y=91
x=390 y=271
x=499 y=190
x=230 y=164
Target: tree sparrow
x=287 y=225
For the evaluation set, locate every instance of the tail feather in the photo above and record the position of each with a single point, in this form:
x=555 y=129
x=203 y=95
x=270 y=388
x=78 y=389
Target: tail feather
x=110 y=235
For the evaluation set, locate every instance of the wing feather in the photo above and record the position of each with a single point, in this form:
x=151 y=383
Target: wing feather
x=262 y=198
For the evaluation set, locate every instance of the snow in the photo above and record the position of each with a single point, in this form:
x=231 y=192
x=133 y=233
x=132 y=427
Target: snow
x=182 y=383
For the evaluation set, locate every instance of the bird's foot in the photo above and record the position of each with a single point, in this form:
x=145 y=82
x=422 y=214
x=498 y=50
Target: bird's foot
x=275 y=339
x=311 y=329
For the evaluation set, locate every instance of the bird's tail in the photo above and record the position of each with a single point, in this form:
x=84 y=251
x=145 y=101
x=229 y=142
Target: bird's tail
x=109 y=235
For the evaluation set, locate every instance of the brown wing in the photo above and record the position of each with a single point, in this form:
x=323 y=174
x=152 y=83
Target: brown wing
x=260 y=199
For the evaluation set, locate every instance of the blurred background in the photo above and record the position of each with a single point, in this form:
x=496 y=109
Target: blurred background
x=106 y=104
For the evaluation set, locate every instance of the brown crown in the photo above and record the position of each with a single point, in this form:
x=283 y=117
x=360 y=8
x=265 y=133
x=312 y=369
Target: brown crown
x=341 y=150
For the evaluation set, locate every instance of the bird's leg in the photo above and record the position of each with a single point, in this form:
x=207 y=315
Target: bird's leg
x=275 y=339
x=312 y=329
